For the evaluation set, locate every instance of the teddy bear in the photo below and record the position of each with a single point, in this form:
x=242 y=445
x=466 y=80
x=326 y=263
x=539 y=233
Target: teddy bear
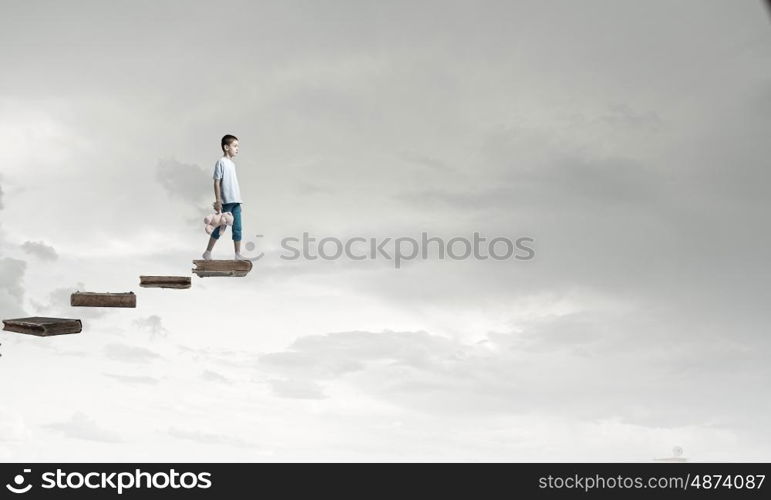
x=221 y=220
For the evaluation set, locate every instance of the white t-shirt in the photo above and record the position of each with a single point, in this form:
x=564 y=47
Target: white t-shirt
x=225 y=169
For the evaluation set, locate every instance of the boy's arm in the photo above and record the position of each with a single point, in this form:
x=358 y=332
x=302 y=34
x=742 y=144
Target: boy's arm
x=218 y=195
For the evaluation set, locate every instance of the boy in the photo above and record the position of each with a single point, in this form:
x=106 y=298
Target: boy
x=227 y=196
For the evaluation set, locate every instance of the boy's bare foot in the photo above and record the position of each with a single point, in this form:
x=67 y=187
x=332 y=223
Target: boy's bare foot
x=206 y=255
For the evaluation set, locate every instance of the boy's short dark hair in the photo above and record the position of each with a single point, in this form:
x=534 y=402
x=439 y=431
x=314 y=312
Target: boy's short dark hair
x=227 y=140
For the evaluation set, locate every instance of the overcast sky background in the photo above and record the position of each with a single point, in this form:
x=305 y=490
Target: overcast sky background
x=628 y=139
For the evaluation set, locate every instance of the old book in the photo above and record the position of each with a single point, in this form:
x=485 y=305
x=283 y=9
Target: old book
x=94 y=299
x=164 y=281
x=234 y=268
x=43 y=327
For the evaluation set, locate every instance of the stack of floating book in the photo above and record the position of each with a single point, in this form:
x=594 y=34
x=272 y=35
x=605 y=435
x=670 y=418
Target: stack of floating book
x=164 y=281
x=92 y=299
x=235 y=268
x=43 y=327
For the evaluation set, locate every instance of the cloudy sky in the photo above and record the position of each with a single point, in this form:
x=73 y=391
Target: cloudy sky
x=628 y=139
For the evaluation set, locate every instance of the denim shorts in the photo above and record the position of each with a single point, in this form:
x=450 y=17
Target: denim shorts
x=235 y=209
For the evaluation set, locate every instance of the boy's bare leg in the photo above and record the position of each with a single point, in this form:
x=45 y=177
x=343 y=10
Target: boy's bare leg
x=207 y=254
x=237 y=246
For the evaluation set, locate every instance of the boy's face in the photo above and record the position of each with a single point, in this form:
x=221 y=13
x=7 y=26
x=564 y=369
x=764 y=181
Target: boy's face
x=232 y=148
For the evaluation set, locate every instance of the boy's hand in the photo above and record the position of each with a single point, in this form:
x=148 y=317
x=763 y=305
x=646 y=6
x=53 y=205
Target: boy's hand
x=217 y=206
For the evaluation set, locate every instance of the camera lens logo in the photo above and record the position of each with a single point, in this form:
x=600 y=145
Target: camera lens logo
x=18 y=480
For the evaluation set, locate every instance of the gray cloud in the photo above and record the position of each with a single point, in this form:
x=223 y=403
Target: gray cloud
x=14 y=425
x=561 y=186
x=58 y=304
x=133 y=379
x=212 y=376
x=40 y=249
x=571 y=365
x=622 y=115
x=11 y=274
x=209 y=438
x=12 y=287
x=296 y=389
x=152 y=324
x=226 y=357
x=185 y=182
x=81 y=426
x=1 y=197
x=190 y=184
x=427 y=162
x=130 y=354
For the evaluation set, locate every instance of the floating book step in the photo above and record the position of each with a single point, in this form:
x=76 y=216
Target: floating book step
x=92 y=299
x=164 y=281
x=235 y=268
x=43 y=327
